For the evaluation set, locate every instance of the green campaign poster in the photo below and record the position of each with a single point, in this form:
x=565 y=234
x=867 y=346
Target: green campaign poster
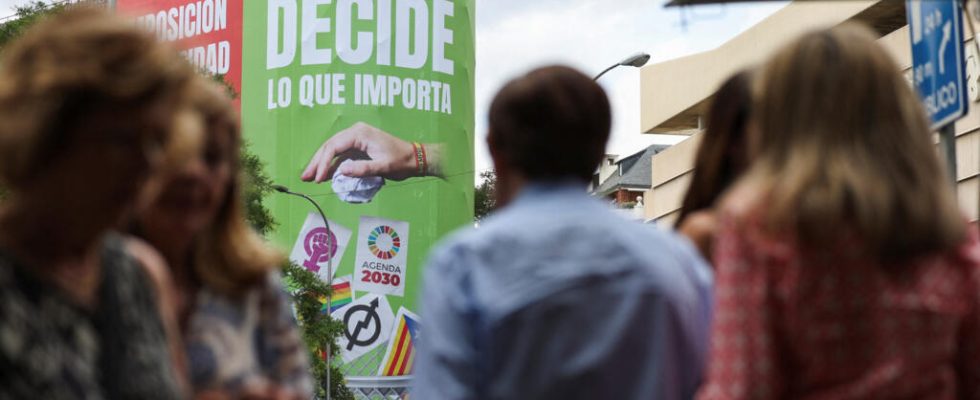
x=316 y=70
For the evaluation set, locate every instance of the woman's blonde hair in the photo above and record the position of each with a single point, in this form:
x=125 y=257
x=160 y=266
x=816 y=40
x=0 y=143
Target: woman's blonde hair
x=843 y=147
x=229 y=256
x=76 y=62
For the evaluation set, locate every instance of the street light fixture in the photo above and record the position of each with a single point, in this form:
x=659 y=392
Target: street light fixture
x=636 y=60
x=326 y=224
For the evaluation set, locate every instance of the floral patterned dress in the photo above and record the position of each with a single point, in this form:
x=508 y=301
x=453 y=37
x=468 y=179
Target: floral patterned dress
x=839 y=325
x=234 y=342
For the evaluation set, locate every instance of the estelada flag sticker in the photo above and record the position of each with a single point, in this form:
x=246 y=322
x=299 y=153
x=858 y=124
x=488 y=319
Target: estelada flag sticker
x=400 y=356
x=382 y=256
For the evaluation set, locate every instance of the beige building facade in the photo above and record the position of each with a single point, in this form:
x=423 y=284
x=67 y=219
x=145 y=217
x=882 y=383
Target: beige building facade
x=675 y=94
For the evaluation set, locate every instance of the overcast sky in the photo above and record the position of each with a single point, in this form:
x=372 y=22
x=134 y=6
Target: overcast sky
x=7 y=6
x=513 y=36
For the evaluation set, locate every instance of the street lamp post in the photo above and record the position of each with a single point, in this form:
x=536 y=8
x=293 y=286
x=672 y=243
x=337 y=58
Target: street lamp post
x=636 y=60
x=326 y=224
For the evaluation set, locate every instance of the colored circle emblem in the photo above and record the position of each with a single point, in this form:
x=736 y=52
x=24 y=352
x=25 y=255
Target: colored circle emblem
x=384 y=242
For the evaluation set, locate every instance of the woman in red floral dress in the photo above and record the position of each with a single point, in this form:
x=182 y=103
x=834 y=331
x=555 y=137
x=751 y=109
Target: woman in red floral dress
x=845 y=269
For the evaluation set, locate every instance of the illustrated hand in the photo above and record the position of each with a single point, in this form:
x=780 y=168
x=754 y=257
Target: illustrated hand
x=390 y=157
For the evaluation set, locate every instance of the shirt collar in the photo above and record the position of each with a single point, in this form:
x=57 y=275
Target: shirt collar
x=539 y=189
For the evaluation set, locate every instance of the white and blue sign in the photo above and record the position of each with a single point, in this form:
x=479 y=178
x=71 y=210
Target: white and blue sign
x=937 y=58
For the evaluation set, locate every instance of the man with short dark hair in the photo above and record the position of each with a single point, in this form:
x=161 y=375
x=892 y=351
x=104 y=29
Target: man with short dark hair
x=556 y=296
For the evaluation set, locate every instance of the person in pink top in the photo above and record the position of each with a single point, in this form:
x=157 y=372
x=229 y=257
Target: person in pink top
x=845 y=269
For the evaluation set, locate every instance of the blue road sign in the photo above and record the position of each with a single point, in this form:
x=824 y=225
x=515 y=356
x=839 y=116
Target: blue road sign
x=937 y=58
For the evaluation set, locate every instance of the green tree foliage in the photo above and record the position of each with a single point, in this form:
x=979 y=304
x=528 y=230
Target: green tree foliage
x=318 y=328
x=484 y=196
x=25 y=16
x=257 y=186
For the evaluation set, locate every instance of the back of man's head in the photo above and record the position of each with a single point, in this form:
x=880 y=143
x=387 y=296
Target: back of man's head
x=550 y=124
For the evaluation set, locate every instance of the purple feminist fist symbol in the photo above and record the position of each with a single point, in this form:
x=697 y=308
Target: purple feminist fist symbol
x=320 y=246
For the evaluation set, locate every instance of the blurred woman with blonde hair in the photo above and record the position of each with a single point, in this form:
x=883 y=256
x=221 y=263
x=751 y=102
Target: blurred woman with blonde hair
x=845 y=269
x=239 y=333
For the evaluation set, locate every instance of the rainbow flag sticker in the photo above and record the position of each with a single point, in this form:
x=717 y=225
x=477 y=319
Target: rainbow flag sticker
x=343 y=295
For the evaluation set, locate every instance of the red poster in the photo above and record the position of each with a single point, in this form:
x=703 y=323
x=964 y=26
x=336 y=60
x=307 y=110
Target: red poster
x=208 y=32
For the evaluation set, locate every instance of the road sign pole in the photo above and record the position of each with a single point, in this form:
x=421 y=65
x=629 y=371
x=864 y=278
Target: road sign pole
x=947 y=140
x=936 y=37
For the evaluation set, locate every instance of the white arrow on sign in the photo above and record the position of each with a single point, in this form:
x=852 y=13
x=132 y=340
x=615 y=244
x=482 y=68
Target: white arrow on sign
x=947 y=32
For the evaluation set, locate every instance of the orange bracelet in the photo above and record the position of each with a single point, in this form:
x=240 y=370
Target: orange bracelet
x=419 y=158
x=425 y=161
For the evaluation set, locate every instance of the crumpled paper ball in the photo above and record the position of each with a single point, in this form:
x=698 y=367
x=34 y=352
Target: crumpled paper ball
x=355 y=190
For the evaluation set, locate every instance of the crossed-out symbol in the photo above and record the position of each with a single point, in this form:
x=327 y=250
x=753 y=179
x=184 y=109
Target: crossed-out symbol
x=370 y=320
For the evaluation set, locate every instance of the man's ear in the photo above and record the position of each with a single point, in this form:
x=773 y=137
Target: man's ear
x=491 y=142
x=494 y=148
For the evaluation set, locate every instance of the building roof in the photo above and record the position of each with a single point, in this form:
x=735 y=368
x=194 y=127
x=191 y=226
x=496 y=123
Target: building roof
x=677 y=3
x=674 y=94
x=634 y=172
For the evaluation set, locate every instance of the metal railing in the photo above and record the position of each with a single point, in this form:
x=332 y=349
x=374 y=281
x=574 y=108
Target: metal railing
x=362 y=380
x=379 y=387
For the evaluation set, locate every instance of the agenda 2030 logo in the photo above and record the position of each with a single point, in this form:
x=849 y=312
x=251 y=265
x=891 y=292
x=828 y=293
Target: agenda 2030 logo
x=382 y=256
x=384 y=242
